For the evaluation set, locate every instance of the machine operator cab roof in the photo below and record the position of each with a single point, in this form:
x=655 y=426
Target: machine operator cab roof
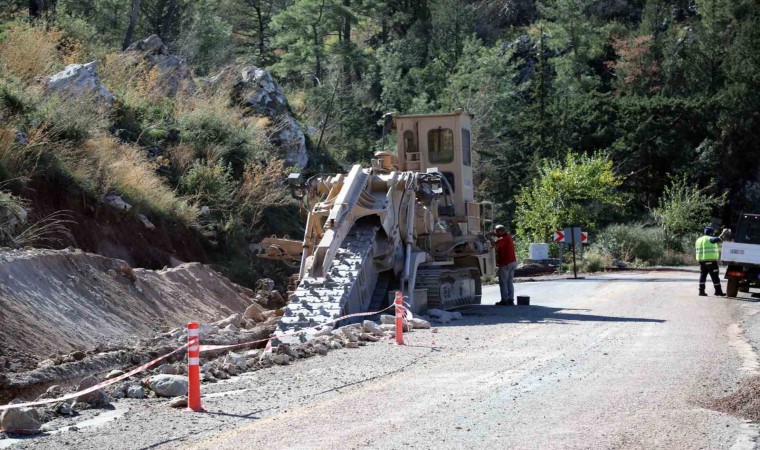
x=436 y=141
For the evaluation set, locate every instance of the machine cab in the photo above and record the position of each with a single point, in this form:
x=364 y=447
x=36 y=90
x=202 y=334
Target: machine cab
x=439 y=141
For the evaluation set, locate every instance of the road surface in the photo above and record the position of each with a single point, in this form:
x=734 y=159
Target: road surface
x=614 y=361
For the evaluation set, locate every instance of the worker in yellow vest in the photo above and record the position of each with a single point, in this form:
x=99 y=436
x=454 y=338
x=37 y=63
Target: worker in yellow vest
x=708 y=256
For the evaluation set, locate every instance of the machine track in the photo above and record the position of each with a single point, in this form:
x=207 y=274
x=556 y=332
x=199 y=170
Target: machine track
x=347 y=288
x=449 y=287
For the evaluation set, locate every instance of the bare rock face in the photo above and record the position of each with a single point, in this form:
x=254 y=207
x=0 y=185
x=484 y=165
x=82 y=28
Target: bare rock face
x=255 y=89
x=174 y=75
x=79 y=79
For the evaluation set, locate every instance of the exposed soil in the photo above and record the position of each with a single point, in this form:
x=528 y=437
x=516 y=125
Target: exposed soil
x=99 y=229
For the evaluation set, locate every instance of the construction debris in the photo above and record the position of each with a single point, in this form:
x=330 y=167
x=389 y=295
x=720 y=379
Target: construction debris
x=178 y=402
x=95 y=399
x=20 y=421
x=442 y=316
x=168 y=385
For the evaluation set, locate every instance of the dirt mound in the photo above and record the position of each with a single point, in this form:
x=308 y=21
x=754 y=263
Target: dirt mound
x=745 y=402
x=61 y=300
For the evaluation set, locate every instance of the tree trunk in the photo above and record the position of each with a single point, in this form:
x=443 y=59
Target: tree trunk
x=262 y=39
x=166 y=26
x=347 y=23
x=132 y=23
x=36 y=7
x=318 y=57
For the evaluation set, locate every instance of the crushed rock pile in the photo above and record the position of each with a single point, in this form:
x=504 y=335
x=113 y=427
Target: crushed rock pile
x=744 y=402
x=256 y=323
x=67 y=300
x=169 y=379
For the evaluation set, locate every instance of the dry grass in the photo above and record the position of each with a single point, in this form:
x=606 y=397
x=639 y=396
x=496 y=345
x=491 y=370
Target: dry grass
x=22 y=162
x=52 y=231
x=124 y=169
x=182 y=157
x=31 y=51
x=260 y=190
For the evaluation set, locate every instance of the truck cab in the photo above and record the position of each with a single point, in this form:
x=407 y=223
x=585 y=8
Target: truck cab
x=743 y=256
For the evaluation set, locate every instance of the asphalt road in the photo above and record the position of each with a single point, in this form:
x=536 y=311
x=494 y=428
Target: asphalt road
x=615 y=361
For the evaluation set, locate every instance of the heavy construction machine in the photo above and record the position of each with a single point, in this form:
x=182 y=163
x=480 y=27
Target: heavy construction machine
x=409 y=222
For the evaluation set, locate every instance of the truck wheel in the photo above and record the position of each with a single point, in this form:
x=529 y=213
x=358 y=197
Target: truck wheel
x=733 y=287
x=743 y=287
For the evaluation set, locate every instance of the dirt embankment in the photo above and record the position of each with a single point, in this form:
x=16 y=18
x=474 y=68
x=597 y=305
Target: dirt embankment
x=62 y=300
x=100 y=229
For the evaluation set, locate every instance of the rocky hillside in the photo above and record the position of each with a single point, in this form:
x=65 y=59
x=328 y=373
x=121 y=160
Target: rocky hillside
x=133 y=157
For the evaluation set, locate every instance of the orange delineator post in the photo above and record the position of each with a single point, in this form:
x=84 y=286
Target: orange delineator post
x=399 y=301
x=193 y=368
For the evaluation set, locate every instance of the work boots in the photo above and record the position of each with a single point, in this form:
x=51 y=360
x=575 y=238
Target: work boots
x=719 y=292
x=702 y=293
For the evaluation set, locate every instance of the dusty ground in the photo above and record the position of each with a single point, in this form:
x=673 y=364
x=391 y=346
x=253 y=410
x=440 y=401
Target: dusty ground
x=614 y=361
x=54 y=300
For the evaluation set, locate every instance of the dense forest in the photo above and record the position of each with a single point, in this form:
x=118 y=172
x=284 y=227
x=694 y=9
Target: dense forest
x=588 y=111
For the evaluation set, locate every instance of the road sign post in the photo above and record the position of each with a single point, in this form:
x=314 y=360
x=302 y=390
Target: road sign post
x=575 y=267
x=571 y=235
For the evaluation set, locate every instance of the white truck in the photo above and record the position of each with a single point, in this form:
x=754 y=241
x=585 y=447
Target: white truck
x=743 y=256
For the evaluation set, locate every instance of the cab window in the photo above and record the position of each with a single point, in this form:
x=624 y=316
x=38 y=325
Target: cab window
x=466 y=153
x=441 y=145
x=410 y=146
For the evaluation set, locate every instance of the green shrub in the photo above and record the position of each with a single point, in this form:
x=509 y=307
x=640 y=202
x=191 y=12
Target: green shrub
x=70 y=118
x=630 y=242
x=594 y=261
x=209 y=184
x=682 y=209
x=217 y=131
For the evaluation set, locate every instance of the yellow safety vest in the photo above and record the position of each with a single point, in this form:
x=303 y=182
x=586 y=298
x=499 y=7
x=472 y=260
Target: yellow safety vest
x=706 y=250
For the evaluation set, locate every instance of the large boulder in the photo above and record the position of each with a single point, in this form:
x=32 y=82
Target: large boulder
x=168 y=385
x=77 y=80
x=96 y=399
x=19 y=420
x=173 y=74
x=257 y=90
x=255 y=312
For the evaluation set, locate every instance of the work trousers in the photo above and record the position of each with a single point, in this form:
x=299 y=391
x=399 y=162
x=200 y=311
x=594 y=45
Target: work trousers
x=710 y=267
x=506 y=281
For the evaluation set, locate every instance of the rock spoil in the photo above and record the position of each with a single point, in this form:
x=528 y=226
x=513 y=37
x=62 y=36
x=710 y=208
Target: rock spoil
x=168 y=385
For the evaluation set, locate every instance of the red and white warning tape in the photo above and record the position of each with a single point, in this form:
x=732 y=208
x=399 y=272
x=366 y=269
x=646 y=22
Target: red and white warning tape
x=202 y=348
x=96 y=387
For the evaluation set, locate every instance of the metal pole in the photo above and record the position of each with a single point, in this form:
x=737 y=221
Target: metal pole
x=559 y=267
x=575 y=269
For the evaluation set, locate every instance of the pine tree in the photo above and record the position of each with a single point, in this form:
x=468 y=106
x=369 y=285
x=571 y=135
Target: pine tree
x=301 y=33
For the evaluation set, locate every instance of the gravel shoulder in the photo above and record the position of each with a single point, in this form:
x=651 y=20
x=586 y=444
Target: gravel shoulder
x=620 y=360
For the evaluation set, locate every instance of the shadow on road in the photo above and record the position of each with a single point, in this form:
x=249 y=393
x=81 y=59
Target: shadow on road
x=490 y=314
x=631 y=279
